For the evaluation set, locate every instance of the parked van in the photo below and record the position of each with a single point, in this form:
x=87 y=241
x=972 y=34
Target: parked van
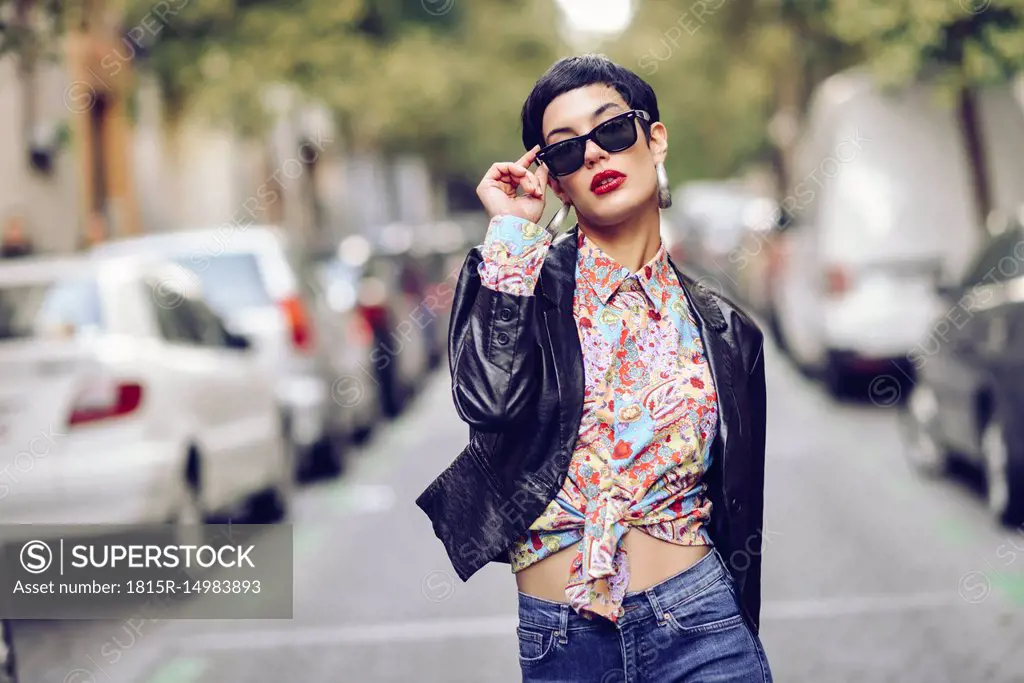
x=881 y=206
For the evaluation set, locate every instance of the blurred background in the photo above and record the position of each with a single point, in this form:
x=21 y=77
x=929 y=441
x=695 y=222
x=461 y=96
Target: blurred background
x=230 y=237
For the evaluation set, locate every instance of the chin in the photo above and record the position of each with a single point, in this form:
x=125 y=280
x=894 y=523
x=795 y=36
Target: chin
x=612 y=210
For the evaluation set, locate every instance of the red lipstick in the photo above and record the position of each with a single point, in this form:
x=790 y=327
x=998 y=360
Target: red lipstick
x=607 y=181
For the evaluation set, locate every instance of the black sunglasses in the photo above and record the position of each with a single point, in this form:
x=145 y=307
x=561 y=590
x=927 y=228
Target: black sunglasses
x=614 y=135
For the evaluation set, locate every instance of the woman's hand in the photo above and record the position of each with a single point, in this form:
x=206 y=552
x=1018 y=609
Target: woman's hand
x=497 y=190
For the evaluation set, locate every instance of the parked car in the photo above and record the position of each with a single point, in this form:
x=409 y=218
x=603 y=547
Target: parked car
x=707 y=223
x=882 y=203
x=335 y=287
x=252 y=279
x=389 y=300
x=8 y=663
x=123 y=402
x=969 y=395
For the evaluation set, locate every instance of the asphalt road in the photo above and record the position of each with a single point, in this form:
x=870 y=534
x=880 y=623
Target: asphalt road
x=870 y=573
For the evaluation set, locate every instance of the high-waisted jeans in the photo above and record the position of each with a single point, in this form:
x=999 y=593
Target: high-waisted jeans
x=687 y=628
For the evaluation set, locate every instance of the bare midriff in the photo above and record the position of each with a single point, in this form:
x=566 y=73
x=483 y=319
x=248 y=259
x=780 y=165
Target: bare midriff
x=651 y=561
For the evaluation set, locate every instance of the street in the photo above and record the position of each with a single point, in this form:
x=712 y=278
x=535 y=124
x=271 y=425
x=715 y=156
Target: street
x=870 y=572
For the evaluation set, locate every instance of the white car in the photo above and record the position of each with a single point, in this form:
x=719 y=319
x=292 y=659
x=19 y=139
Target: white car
x=882 y=205
x=252 y=278
x=125 y=402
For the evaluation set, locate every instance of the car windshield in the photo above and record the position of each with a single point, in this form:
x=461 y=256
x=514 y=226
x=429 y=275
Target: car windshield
x=57 y=309
x=230 y=281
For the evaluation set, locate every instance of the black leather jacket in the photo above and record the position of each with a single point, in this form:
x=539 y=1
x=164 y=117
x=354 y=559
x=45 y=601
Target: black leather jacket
x=517 y=381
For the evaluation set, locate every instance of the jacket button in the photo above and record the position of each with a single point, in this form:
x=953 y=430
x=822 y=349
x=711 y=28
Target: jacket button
x=506 y=314
x=735 y=503
x=502 y=338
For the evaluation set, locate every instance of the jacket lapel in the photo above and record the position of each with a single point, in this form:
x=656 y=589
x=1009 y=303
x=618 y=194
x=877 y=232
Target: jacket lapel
x=557 y=288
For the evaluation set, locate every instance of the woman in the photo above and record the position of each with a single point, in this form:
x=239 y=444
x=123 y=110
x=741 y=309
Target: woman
x=616 y=410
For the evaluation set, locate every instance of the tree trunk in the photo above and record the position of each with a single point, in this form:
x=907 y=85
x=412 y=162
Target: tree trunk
x=970 y=128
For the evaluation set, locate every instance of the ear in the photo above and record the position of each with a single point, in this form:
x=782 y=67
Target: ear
x=556 y=187
x=659 y=142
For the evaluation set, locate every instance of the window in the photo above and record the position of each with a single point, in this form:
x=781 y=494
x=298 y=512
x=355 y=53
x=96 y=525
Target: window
x=1000 y=259
x=57 y=309
x=230 y=281
x=190 y=322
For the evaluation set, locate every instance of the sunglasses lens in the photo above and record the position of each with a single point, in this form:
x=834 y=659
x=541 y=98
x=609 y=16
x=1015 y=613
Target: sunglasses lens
x=565 y=158
x=616 y=135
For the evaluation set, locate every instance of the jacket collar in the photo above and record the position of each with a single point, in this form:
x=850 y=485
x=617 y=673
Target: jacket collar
x=558 y=280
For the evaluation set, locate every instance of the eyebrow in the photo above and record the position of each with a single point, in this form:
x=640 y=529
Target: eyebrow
x=597 y=112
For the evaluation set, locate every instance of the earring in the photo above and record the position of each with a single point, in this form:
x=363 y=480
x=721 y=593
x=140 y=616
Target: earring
x=664 y=191
x=557 y=219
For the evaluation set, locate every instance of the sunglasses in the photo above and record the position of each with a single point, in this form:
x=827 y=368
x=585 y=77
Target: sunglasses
x=614 y=135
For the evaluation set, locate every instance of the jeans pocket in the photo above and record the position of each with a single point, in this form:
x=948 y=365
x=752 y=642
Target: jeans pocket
x=711 y=610
x=535 y=643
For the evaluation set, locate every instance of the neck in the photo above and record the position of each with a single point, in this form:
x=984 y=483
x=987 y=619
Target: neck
x=632 y=242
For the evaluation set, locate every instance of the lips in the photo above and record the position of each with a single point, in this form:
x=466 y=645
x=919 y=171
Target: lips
x=607 y=181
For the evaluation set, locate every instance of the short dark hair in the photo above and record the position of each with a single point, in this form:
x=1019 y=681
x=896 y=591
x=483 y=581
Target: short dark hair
x=571 y=73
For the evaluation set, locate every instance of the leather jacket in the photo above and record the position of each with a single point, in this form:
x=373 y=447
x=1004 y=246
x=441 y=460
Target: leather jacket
x=517 y=381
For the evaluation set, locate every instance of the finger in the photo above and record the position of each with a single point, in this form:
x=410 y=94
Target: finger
x=542 y=177
x=538 y=182
x=528 y=158
x=527 y=185
x=514 y=169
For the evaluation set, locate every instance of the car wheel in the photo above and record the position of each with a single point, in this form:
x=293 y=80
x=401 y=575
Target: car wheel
x=1003 y=491
x=924 y=452
x=189 y=517
x=835 y=377
x=327 y=458
x=273 y=504
x=8 y=666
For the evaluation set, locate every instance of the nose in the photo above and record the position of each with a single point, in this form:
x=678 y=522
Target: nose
x=593 y=154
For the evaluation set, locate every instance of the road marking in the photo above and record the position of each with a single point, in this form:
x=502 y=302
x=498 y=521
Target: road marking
x=503 y=626
x=179 y=670
x=824 y=608
x=361 y=499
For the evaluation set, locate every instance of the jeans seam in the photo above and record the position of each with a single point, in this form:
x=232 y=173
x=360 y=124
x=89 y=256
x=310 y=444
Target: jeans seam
x=761 y=657
x=692 y=596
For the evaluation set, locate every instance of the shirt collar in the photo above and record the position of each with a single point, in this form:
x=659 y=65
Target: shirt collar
x=605 y=275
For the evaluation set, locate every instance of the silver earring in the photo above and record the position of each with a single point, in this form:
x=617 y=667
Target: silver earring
x=556 y=221
x=664 y=190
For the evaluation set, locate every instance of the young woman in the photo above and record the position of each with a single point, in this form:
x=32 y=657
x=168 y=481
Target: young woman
x=616 y=409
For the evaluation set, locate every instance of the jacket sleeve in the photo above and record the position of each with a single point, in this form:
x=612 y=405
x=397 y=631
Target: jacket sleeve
x=492 y=337
x=757 y=393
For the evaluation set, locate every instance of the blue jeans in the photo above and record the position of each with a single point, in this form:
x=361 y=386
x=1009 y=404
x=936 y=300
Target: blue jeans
x=688 y=628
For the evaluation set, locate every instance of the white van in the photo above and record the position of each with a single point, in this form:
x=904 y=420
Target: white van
x=882 y=205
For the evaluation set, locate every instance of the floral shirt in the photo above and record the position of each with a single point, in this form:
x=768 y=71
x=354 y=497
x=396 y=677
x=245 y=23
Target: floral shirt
x=649 y=415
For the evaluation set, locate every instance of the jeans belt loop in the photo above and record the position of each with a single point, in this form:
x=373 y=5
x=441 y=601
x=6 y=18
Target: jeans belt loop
x=659 y=613
x=563 y=624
